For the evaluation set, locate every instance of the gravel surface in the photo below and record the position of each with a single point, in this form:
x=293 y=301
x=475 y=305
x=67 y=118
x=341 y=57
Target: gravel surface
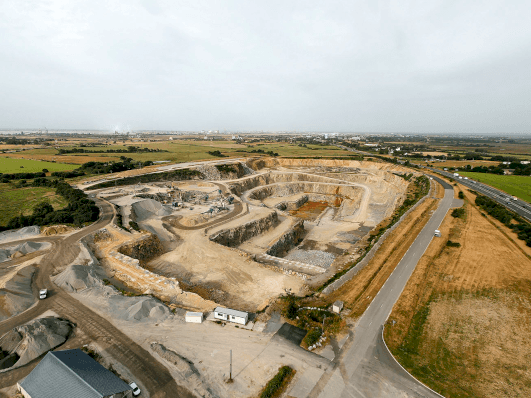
x=312 y=257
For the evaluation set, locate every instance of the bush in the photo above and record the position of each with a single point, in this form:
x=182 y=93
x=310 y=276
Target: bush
x=461 y=195
x=458 y=213
x=313 y=336
x=274 y=387
x=134 y=225
x=453 y=244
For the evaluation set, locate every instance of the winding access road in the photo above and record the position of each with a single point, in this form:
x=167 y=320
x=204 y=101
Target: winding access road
x=151 y=373
x=365 y=368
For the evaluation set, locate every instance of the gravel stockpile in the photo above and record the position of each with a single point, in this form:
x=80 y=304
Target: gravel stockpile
x=210 y=173
x=312 y=257
x=18 y=234
x=22 y=249
x=148 y=208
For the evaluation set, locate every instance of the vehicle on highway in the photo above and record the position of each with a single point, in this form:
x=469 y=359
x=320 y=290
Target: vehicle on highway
x=437 y=233
x=43 y=293
x=136 y=390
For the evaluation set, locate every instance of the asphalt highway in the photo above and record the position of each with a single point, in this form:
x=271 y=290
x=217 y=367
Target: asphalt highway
x=364 y=367
x=519 y=206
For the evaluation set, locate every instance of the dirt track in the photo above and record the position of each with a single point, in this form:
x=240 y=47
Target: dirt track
x=238 y=208
x=155 y=377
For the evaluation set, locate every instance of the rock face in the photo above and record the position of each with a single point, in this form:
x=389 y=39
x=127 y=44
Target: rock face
x=223 y=171
x=235 y=236
x=187 y=371
x=292 y=205
x=287 y=240
x=33 y=339
x=144 y=249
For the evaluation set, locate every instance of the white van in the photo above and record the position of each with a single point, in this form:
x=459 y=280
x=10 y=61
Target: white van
x=43 y=293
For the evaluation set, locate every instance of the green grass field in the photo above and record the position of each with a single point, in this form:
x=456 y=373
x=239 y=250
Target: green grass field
x=185 y=151
x=519 y=186
x=12 y=165
x=14 y=201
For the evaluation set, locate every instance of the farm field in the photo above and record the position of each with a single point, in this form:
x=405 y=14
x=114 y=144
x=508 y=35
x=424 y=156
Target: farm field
x=178 y=151
x=461 y=325
x=12 y=165
x=519 y=186
x=14 y=201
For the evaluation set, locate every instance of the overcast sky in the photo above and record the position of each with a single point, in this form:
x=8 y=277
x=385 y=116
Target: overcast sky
x=355 y=66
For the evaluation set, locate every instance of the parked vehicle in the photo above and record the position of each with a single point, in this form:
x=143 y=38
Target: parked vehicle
x=43 y=293
x=136 y=390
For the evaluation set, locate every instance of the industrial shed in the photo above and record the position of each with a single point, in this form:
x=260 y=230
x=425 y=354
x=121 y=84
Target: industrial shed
x=227 y=314
x=194 y=317
x=72 y=373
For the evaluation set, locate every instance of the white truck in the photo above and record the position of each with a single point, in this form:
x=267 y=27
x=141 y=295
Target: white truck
x=43 y=293
x=437 y=233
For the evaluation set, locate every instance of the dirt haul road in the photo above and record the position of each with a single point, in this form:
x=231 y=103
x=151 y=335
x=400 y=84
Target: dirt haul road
x=146 y=369
x=238 y=208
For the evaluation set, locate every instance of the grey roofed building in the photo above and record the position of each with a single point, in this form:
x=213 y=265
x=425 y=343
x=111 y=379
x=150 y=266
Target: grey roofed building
x=72 y=373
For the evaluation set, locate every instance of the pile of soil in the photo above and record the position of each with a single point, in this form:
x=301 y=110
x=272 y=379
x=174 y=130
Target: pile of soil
x=56 y=229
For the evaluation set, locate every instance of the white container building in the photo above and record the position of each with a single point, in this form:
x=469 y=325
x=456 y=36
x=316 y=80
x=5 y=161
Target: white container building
x=194 y=317
x=227 y=314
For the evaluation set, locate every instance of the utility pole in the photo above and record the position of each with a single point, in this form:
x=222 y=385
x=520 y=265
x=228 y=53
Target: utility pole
x=230 y=371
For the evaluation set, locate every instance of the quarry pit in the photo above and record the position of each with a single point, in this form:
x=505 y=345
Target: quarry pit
x=241 y=235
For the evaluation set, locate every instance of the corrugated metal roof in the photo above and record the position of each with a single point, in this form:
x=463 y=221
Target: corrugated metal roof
x=71 y=373
x=229 y=311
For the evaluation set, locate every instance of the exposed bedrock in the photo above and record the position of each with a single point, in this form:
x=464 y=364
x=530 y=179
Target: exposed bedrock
x=235 y=236
x=292 y=188
x=258 y=180
x=293 y=204
x=144 y=249
x=287 y=240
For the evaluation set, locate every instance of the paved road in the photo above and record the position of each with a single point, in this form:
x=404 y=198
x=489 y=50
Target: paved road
x=146 y=369
x=364 y=368
x=519 y=206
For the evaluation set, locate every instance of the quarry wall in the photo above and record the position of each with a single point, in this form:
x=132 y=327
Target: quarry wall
x=233 y=237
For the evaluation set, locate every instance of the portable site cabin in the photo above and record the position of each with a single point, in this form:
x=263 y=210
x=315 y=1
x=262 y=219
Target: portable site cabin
x=226 y=314
x=337 y=307
x=194 y=317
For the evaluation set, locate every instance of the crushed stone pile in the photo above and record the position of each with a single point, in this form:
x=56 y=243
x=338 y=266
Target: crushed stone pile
x=187 y=371
x=16 y=295
x=209 y=172
x=18 y=234
x=147 y=307
x=313 y=257
x=36 y=337
x=149 y=208
x=22 y=249
x=78 y=277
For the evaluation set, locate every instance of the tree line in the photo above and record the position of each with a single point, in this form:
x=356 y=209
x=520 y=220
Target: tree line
x=80 y=208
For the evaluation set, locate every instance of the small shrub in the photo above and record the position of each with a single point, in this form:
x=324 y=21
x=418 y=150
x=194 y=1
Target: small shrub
x=313 y=336
x=274 y=387
x=458 y=213
x=453 y=244
x=461 y=195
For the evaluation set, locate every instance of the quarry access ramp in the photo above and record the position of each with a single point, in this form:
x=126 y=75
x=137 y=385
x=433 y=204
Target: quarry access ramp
x=150 y=372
